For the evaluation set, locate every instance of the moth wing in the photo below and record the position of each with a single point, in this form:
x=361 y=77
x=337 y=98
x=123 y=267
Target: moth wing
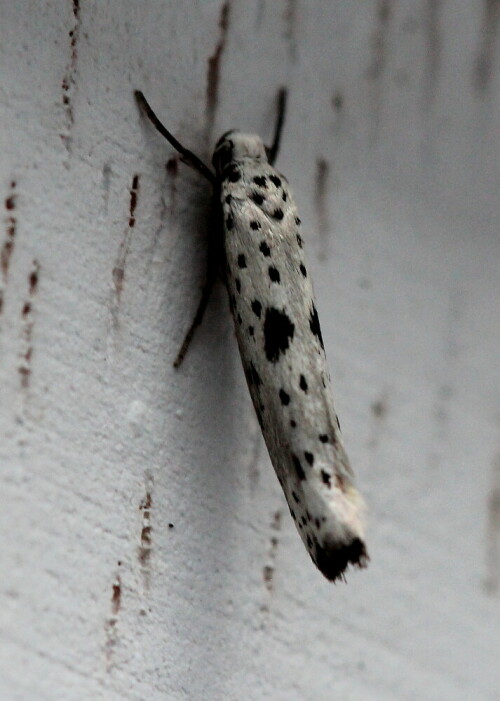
x=281 y=346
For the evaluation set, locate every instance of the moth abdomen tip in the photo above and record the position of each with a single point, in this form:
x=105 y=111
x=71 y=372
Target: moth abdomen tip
x=333 y=560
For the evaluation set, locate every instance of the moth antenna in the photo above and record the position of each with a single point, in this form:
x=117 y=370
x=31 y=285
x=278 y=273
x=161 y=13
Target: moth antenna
x=188 y=157
x=272 y=151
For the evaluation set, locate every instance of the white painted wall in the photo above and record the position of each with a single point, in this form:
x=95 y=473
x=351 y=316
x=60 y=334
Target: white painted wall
x=102 y=439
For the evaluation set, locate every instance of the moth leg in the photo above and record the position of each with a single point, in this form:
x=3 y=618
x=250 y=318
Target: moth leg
x=213 y=265
x=198 y=317
x=188 y=157
x=272 y=151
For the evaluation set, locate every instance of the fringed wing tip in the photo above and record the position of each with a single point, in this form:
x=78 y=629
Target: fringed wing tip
x=333 y=560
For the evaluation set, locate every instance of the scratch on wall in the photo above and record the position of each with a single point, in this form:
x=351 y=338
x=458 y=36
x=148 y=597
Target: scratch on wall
x=123 y=250
x=25 y=355
x=145 y=543
x=172 y=168
x=433 y=53
x=270 y=566
x=290 y=16
x=106 y=183
x=321 y=204
x=483 y=69
x=168 y=201
x=379 y=410
x=491 y=583
x=377 y=67
x=110 y=626
x=214 y=67
x=69 y=82
x=253 y=468
x=9 y=241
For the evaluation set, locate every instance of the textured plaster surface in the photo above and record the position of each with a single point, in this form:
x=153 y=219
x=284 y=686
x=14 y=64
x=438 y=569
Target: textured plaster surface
x=146 y=551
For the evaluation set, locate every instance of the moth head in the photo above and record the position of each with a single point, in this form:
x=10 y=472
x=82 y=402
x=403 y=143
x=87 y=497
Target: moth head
x=236 y=146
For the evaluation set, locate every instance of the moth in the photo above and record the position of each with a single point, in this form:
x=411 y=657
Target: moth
x=256 y=241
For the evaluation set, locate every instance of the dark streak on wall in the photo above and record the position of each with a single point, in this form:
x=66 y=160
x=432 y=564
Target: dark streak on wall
x=321 y=189
x=378 y=63
x=172 y=168
x=146 y=544
x=9 y=242
x=493 y=532
x=119 y=267
x=214 y=66
x=25 y=355
x=68 y=82
x=291 y=24
x=269 y=568
x=483 y=69
x=434 y=46
x=110 y=626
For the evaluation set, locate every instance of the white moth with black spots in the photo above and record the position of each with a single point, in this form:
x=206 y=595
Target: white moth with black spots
x=256 y=241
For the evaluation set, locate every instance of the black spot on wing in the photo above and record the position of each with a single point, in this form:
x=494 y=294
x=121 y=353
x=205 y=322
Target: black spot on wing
x=309 y=458
x=237 y=284
x=274 y=274
x=284 y=196
x=255 y=225
x=242 y=263
x=275 y=180
x=303 y=383
x=257 y=197
x=323 y=438
x=278 y=333
x=257 y=308
x=314 y=325
x=298 y=221
x=260 y=180
x=326 y=478
x=298 y=468
x=299 y=240
x=284 y=397
x=278 y=214
x=264 y=249
x=303 y=270
x=229 y=223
